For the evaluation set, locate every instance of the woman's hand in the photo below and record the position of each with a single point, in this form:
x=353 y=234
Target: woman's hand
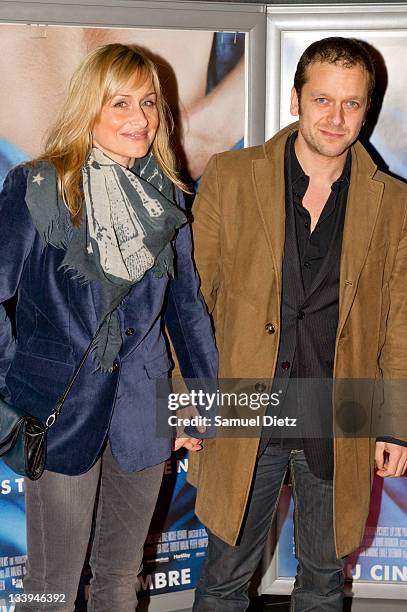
x=183 y=440
x=191 y=444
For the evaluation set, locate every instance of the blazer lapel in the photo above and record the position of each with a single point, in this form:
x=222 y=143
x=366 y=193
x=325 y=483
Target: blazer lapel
x=84 y=301
x=365 y=196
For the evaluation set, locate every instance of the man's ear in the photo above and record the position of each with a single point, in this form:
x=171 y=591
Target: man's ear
x=295 y=104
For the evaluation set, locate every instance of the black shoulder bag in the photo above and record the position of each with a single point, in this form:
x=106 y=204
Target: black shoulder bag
x=23 y=437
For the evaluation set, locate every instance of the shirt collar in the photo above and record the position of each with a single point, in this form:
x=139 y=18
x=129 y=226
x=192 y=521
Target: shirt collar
x=299 y=180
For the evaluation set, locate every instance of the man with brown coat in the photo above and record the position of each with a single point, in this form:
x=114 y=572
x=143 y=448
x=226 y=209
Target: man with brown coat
x=301 y=245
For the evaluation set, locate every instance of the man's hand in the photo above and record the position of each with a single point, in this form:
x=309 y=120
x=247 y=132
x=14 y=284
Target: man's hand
x=391 y=459
x=182 y=439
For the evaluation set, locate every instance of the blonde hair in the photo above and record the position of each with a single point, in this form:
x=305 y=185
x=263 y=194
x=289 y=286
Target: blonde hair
x=99 y=78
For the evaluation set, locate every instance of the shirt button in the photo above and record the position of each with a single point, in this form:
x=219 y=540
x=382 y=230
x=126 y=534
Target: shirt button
x=300 y=314
x=270 y=328
x=307 y=264
x=115 y=366
x=129 y=331
x=285 y=365
x=260 y=387
x=306 y=224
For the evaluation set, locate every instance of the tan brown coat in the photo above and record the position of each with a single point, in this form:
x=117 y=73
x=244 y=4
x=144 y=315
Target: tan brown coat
x=239 y=217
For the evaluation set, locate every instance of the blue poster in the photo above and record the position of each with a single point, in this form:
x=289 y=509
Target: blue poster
x=13 y=546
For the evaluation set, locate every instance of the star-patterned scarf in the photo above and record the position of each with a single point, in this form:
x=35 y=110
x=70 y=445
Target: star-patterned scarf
x=128 y=223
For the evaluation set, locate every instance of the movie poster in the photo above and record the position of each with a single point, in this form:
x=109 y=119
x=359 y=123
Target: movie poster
x=36 y=63
x=383 y=554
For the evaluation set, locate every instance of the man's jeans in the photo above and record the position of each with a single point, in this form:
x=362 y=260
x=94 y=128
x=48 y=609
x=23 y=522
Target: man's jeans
x=228 y=569
x=59 y=520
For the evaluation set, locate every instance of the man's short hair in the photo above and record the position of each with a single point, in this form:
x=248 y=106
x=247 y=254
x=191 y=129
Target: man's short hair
x=347 y=52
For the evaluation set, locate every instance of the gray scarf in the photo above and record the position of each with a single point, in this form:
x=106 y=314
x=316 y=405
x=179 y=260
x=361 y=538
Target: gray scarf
x=129 y=220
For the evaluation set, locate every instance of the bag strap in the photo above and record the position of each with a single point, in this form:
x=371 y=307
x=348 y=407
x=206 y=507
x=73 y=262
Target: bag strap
x=52 y=417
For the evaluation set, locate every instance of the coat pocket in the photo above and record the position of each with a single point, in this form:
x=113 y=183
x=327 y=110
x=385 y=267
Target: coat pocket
x=35 y=382
x=50 y=350
x=156 y=368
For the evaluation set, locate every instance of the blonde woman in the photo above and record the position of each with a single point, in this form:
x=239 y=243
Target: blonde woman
x=92 y=234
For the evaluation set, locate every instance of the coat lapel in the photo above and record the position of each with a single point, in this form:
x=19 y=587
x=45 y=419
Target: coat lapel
x=269 y=185
x=365 y=196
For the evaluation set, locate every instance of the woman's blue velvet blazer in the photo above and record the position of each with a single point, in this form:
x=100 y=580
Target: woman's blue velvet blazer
x=56 y=317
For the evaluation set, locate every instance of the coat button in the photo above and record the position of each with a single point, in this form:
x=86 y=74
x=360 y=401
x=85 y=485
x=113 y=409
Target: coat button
x=270 y=328
x=300 y=314
x=129 y=331
x=115 y=366
x=260 y=387
x=285 y=365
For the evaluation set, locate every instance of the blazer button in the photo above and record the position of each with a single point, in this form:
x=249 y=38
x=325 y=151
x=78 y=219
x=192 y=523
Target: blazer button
x=115 y=366
x=260 y=387
x=285 y=365
x=270 y=328
x=300 y=314
x=129 y=331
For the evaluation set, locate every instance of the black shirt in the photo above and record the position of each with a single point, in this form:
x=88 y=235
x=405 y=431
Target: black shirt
x=313 y=247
